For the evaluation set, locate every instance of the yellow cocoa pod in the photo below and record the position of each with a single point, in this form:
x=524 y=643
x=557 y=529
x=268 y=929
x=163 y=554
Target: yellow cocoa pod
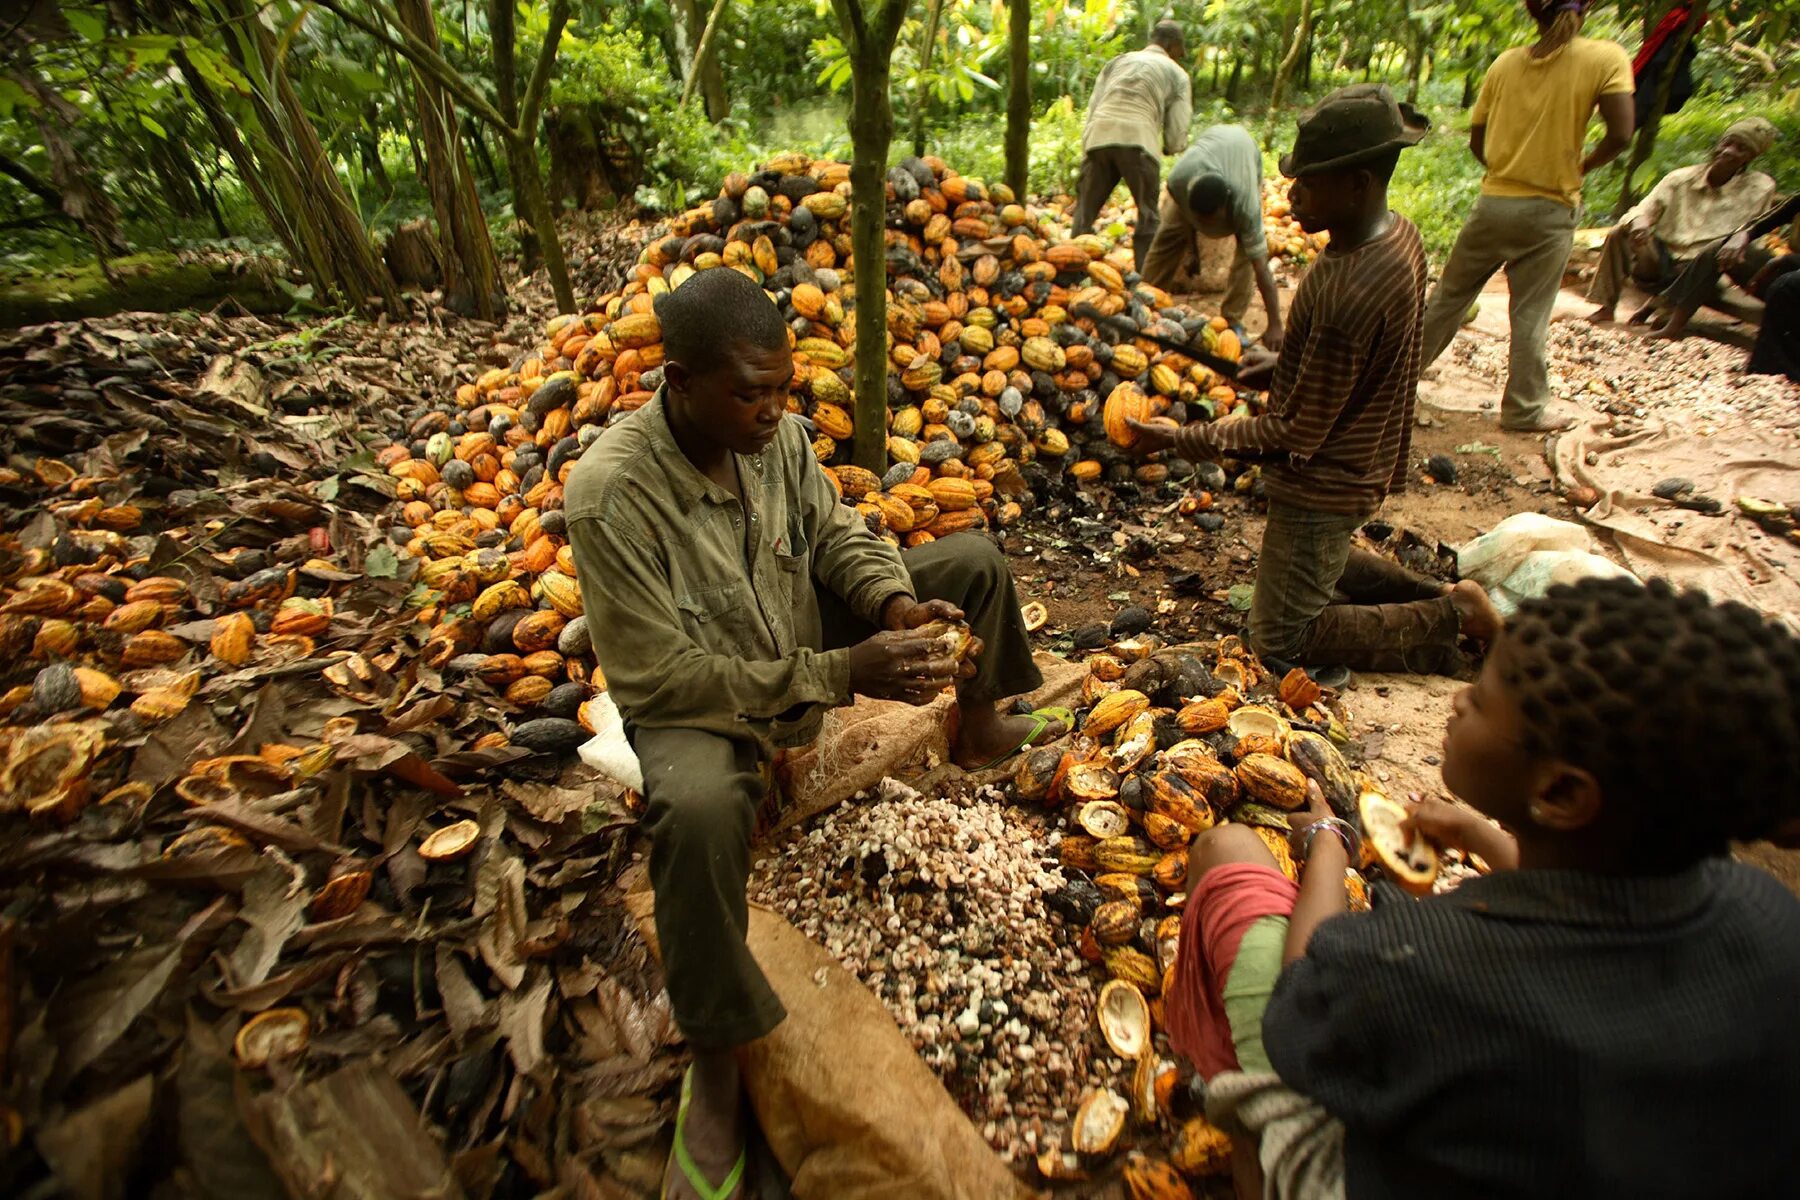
x=561 y=592
x=497 y=598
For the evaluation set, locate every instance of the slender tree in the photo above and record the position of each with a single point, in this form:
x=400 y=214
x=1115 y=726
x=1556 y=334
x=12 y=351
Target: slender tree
x=934 y=12
x=870 y=29
x=515 y=118
x=278 y=155
x=1285 y=71
x=471 y=269
x=1645 y=142
x=704 y=70
x=1018 y=98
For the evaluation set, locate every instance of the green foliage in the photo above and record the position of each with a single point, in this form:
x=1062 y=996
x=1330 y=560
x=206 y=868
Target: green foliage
x=136 y=127
x=619 y=70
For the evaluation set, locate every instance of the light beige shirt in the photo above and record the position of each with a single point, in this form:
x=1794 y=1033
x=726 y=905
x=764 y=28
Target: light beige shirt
x=1141 y=99
x=1687 y=213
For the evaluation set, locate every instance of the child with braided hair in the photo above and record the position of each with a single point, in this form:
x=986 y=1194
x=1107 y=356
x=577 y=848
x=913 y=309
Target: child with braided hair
x=1605 y=1012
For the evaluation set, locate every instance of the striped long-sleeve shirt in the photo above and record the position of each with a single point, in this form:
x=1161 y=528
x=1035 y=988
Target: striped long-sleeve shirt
x=1341 y=402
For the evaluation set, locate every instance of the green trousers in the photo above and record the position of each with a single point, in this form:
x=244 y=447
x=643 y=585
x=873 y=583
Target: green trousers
x=702 y=792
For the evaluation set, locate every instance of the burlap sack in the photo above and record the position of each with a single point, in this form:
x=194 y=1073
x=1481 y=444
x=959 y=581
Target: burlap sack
x=847 y=1108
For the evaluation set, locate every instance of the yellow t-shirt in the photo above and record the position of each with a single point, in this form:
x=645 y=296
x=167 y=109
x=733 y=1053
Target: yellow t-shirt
x=1536 y=111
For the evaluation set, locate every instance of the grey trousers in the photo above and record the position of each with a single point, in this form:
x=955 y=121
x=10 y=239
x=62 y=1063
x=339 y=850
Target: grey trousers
x=702 y=792
x=1651 y=268
x=1101 y=170
x=1321 y=602
x=1530 y=238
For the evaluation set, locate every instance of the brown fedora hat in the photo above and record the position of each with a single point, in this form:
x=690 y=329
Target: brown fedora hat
x=1350 y=127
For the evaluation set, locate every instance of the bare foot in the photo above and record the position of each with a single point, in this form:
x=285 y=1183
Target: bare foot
x=987 y=735
x=1480 y=619
x=1641 y=315
x=1601 y=316
x=714 y=1129
x=1669 y=333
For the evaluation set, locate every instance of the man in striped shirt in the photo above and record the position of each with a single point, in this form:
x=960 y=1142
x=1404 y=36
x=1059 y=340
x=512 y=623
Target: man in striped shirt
x=1339 y=420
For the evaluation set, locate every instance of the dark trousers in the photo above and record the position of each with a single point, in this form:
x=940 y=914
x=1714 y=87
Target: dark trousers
x=1321 y=602
x=1697 y=285
x=1777 y=349
x=1101 y=171
x=702 y=793
x=1651 y=268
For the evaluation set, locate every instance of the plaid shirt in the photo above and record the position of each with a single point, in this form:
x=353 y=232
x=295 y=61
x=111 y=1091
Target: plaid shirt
x=1341 y=403
x=1557 y=1033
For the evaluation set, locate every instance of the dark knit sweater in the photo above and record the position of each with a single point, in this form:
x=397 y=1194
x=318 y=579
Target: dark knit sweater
x=1554 y=1033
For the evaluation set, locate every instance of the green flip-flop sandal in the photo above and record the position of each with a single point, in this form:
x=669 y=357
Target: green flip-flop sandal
x=1041 y=719
x=690 y=1170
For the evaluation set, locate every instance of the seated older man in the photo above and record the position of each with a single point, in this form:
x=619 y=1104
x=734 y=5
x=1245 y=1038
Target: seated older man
x=1685 y=215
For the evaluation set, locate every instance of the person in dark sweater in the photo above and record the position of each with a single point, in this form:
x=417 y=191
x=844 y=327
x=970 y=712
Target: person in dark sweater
x=1340 y=414
x=1597 y=1016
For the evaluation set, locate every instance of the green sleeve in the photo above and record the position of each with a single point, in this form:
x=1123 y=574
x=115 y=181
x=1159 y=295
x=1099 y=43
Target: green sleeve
x=662 y=678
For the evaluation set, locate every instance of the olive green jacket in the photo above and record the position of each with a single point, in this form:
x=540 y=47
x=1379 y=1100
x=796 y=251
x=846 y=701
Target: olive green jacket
x=686 y=634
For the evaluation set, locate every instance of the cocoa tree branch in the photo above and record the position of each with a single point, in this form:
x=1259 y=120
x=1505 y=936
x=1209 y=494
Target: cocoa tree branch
x=850 y=16
x=700 y=52
x=421 y=56
x=30 y=182
x=890 y=17
x=540 y=73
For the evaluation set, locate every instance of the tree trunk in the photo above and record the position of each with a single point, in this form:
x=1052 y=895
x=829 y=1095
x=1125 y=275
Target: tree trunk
x=690 y=31
x=934 y=11
x=286 y=167
x=703 y=56
x=1282 y=73
x=871 y=132
x=471 y=270
x=530 y=203
x=475 y=135
x=1645 y=141
x=1018 y=100
x=414 y=256
x=1218 y=62
x=87 y=205
x=300 y=250
x=870 y=37
x=1231 y=85
x=1415 y=67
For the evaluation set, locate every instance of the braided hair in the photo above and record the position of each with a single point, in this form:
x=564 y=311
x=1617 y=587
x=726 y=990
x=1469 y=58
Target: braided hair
x=1560 y=21
x=1685 y=711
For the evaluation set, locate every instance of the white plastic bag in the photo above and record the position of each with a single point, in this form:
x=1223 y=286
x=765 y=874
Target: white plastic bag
x=608 y=751
x=1527 y=554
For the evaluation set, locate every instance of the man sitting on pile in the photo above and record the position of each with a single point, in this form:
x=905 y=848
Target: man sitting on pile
x=1215 y=191
x=1683 y=217
x=736 y=599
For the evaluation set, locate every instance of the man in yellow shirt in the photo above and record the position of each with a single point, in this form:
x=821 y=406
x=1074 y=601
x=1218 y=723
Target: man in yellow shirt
x=1528 y=129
